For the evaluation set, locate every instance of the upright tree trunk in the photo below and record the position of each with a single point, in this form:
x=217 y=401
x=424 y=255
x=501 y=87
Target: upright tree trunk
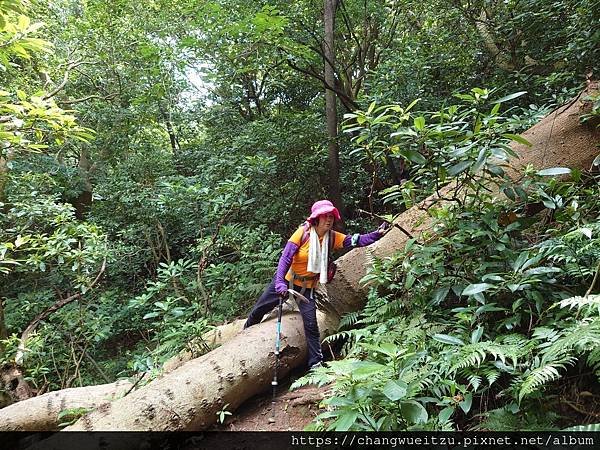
x=3 y=330
x=335 y=193
x=4 y=164
x=83 y=202
x=3 y=179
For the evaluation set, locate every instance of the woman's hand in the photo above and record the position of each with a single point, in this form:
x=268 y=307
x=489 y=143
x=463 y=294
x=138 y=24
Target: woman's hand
x=383 y=228
x=281 y=289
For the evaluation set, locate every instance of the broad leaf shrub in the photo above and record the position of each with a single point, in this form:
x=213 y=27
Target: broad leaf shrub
x=484 y=323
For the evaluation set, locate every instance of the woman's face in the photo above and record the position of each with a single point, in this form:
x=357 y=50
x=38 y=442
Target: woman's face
x=326 y=222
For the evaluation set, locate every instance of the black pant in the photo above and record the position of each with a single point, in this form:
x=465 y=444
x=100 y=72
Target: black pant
x=269 y=299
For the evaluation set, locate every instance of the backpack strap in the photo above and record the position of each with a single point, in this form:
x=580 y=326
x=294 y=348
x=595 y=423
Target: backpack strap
x=306 y=236
x=305 y=233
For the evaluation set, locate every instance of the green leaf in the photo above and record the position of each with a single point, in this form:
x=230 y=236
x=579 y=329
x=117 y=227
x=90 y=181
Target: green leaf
x=447 y=339
x=458 y=168
x=419 y=123
x=542 y=270
x=517 y=138
x=554 y=171
x=521 y=193
x=364 y=369
x=481 y=158
x=439 y=295
x=465 y=405
x=150 y=315
x=413 y=412
x=410 y=280
x=339 y=401
x=445 y=414
x=473 y=289
x=488 y=308
x=345 y=420
x=495 y=169
x=476 y=335
x=385 y=348
x=510 y=97
x=414 y=156
x=413 y=103
x=395 y=390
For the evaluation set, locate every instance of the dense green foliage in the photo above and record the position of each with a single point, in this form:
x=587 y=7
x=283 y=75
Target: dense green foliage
x=491 y=313
x=155 y=156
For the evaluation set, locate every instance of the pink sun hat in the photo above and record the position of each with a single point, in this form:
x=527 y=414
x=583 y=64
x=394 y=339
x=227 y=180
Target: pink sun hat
x=323 y=207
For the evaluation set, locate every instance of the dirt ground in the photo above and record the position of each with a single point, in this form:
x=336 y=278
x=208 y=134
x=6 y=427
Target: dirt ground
x=292 y=410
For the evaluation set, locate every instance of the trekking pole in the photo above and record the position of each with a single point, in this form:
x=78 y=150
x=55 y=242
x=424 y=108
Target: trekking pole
x=275 y=382
x=391 y=222
x=277 y=348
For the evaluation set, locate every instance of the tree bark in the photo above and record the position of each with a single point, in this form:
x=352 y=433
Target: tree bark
x=41 y=413
x=13 y=386
x=83 y=202
x=3 y=330
x=4 y=160
x=190 y=397
x=333 y=151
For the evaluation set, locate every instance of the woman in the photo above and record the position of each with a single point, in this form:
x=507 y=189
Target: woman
x=304 y=263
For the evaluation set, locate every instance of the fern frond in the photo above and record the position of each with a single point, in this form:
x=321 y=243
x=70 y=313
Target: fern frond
x=475 y=381
x=349 y=320
x=589 y=427
x=340 y=335
x=583 y=336
x=593 y=360
x=491 y=374
x=589 y=304
x=536 y=378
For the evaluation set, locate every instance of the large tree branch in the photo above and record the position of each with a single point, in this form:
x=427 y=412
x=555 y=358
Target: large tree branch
x=63 y=83
x=86 y=98
x=348 y=102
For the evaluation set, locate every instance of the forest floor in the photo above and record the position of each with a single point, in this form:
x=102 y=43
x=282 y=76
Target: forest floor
x=292 y=411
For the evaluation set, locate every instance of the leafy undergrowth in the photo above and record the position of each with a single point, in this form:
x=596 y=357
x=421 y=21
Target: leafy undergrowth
x=490 y=323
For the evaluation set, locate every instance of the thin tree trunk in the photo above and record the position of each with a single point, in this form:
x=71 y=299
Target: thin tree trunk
x=84 y=200
x=4 y=164
x=333 y=150
x=3 y=329
x=3 y=179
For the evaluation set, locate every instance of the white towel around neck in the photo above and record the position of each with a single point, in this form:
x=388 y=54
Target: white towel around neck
x=317 y=255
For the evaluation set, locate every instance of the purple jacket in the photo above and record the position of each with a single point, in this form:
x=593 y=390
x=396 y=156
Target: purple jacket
x=290 y=249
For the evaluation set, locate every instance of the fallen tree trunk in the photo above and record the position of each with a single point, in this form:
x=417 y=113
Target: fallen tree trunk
x=41 y=413
x=208 y=341
x=190 y=397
